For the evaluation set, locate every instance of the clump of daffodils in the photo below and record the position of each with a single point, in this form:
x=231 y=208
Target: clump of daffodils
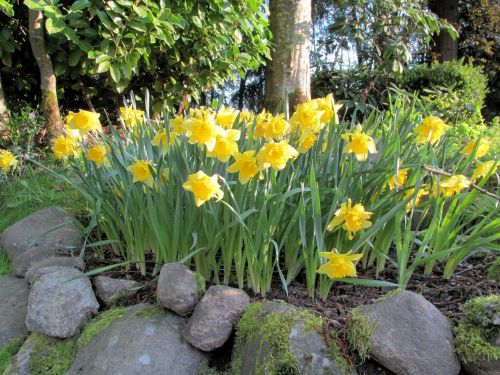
x=7 y=161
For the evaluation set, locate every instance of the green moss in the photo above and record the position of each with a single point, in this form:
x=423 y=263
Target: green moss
x=388 y=295
x=336 y=356
x=50 y=356
x=493 y=270
x=8 y=351
x=202 y=283
x=476 y=329
x=359 y=331
x=150 y=311
x=99 y=323
x=5 y=268
x=272 y=330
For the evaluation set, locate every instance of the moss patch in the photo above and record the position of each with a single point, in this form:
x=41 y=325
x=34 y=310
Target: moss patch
x=51 y=356
x=8 y=351
x=150 y=311
x=5 y=268
x=359 y=331
x=99 y=323
x=271 y=331
x=493 y=270
x=476 y=330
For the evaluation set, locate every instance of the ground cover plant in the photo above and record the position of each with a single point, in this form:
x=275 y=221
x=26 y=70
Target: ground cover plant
x=244 y=197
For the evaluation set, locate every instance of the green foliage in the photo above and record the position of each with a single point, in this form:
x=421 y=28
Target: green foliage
x=359 y=331
x=5 y=268
x=454 y=91
x=493 y=270
x=9 y=350
x=476 y=330
x=50 y=356
x=178 y=47
x=22 y=133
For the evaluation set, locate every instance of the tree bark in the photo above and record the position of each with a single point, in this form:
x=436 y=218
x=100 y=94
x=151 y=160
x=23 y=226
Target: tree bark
x=49 y=104
x=241 y=92
x=4 y=114
x=445 y=47
x=288 y=70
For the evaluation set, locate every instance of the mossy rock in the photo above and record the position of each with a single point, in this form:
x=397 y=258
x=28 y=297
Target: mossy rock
x=359 y=331
x=274 y=338
x=493 y=270
x=8 y=352
x=477 y=336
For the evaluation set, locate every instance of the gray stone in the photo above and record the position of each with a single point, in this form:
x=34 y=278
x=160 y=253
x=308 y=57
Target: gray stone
x=60 y=302
x=411 y=336
x=135 y=344
x=35 y=238
x=177 y=288
x=307 y=353
x=214 y=317
x=111 y=290
x=13 y=302
x=74 y=262
x=485 y=367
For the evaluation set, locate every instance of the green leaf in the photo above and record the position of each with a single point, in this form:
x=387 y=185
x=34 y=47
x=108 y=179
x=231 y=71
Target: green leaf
x=115 y=72
x=55 y=25
x=80 y=4
x=74 y=57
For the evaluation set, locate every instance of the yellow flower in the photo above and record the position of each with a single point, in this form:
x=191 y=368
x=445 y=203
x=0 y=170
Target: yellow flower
x=275 y=155
x=7 y=160
x=245 y=164
x=246 y=116
x=328 y=107
x=177 y=124
x=202 y=131
x=452 y=185
x=132 y=117
x=359 y=143
x=277 y=127
x=402 y=176
x=160 y=140
x=97 y=154
x=431 y=130
x=226 y=117
x=482 y=149
x=64 y=146
x=75 y=133
x=353 y=218
x=306 y=141
x=307 y=118
x=85 y=121
x=420 y=194
x=261 y=124
x=339 y=265
x=225 y=145
x=203 y=187
x=141 y=172
x=482 y=169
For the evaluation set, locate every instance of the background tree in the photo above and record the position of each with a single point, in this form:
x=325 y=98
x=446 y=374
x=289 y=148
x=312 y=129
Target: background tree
x=445 y=44
x=289 y=67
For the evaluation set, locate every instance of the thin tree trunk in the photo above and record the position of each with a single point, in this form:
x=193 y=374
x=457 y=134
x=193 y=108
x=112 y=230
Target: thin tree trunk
x=4 y=113
x=241 y=92
x=49 y=105
x=86 y=95
x=288 y=70
x=445 y=47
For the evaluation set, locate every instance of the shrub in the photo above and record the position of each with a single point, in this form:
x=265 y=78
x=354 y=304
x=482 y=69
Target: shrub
x=243 y=197
x=454 y=91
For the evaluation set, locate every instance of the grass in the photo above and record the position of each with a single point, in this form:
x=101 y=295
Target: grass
x=35 y=189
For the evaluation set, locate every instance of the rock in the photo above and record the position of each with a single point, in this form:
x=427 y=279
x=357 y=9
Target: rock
x=13 y=302
x=35 y=238
x=111 y=290
x=411 y=336
x=177 y=288
x=277 y=338
x=60 y=302
x=74 y=262
x=484 y=367
x=213 y=319
x=137 y=343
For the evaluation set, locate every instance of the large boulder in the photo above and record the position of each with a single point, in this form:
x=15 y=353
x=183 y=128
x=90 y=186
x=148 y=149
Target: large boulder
x=277 y=338
x=111 y=291
x=145 y=341
x=43 y=234
x=60 y=302
x=410 y=336
x=177 y=288
x=214 y=317
x=33 y=272
x=13 y=302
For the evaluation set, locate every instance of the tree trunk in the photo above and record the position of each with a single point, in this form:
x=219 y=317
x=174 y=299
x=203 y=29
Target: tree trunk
x=445 y=47
x=49 y=104
x=288 y=70
x=4 y=114
x=241 y=92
